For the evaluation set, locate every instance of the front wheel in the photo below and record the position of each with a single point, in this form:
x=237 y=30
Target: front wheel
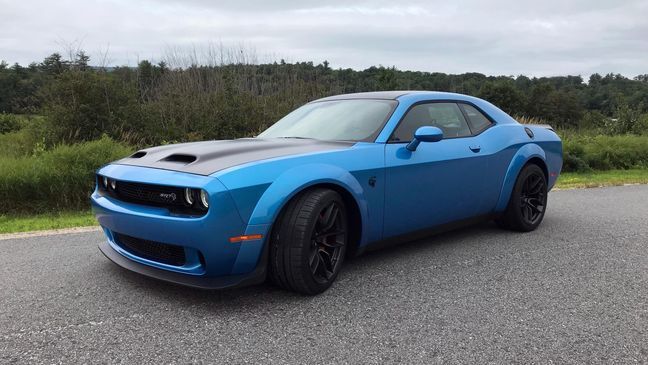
x=528 y=201
x=309 y=242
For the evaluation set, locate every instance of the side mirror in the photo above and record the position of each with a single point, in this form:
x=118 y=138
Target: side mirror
x=425 y=134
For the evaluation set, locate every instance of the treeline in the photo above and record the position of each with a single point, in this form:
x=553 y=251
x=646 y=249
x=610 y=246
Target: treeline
x=228 y=97
x=60 y=119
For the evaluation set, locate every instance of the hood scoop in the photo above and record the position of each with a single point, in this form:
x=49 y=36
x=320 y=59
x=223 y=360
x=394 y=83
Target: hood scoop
x=178 y=158
x=138 y=154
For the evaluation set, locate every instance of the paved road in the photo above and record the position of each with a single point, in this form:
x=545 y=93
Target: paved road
x=575 y=290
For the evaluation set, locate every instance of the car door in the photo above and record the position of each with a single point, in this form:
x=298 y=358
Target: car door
x=493 y=157
x=440 y=181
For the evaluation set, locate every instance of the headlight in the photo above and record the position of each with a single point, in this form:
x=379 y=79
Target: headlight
x=204 y=198
x=105 y=182
x=188 y=195
x=113 y=184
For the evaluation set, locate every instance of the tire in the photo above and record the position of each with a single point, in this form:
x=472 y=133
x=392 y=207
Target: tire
x=528 y=202
x=309 y=242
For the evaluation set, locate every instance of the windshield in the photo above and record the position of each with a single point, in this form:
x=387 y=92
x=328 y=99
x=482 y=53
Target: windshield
x=336 y=120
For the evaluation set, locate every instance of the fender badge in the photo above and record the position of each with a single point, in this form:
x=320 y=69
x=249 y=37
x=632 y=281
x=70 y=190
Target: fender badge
x=372 y=181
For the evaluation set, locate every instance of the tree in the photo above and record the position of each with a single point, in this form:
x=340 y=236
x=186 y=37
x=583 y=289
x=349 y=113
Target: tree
x=503 y=94
x=386 y=78
x=81 y=61
x=144 y=76
x=541 y=102
x=642 y=78
x=163 y=67
x=83 y=105
x=237 y=98
x=53 y=64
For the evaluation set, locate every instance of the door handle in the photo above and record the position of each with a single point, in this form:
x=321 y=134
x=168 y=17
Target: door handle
x=475 y=148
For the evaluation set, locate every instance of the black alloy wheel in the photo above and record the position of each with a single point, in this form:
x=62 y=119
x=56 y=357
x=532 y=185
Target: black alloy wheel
x=309 y=242
x=533 y=198
x=328 y=243
x=528 y=202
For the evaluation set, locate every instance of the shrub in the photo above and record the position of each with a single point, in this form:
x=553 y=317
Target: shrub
x=642 y=126
x=581 y=153
x=82 y=106
x=573 y=154
x=25 y=141
x=59 y=179
x=17 y=144
x=617 y=152
x=9 y=123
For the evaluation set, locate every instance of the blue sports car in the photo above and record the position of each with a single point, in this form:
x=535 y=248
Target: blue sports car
x=333 y=178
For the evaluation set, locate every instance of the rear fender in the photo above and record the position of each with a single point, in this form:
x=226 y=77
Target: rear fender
x=523 y=155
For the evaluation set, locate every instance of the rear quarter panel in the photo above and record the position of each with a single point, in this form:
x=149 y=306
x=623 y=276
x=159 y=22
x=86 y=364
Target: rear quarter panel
x=544 y=145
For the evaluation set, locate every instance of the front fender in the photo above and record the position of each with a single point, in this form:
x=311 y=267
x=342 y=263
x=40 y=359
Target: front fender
x=294 y=180
x=523 y=155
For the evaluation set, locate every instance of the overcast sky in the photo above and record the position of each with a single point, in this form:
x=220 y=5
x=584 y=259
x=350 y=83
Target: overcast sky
x=496 y=37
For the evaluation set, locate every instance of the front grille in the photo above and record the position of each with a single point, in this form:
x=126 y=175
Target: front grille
x=148 y=193
x=170 y=197
x=152 y=250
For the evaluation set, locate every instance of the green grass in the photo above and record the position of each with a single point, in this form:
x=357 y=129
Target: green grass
x=570 y=180
x=585 y=153
x=39 y=222
x=55 y=180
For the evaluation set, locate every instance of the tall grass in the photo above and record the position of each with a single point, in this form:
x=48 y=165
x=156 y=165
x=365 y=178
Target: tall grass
x=588 y=150
x=58 y=179
x=586 y=153
x=20 y=143
x=524 y=119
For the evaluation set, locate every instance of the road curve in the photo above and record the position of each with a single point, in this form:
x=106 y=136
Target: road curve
x=574 y=291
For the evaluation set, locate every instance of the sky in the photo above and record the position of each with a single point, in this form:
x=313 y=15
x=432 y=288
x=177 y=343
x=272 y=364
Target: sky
x=495 y=37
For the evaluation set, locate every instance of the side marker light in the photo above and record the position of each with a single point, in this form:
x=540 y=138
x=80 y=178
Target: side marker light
x=250 y=237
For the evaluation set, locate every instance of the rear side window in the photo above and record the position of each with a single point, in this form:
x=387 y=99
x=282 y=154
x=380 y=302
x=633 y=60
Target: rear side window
x=446 y=116
x=477 y=119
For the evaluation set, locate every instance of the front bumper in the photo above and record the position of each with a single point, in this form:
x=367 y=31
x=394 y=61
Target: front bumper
x=201 y=282
x=212 y=261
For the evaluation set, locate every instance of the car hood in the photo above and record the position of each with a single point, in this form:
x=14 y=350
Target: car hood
x=205 y=158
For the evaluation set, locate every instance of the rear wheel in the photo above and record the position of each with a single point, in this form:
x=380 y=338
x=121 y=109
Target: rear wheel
x=309 y=242
x=528 y=202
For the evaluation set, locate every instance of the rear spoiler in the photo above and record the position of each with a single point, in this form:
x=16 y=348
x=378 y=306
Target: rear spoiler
x=545 y=126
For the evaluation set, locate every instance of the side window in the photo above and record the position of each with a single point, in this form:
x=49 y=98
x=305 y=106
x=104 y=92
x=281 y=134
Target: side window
x=478 y=121
x=445 y=116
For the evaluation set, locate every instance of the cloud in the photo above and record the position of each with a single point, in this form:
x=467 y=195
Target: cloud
x=509 y=37
x=366 y=10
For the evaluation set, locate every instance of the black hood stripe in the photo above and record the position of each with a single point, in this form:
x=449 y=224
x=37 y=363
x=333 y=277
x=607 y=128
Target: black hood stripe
x=205 y=158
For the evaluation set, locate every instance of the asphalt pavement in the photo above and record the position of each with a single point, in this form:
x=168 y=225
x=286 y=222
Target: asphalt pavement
x=573 y=291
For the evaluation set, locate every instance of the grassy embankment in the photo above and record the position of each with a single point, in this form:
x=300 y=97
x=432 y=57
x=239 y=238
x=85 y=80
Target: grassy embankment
x=25 y=223
x=572 y=180
x=568 y=180
x=47 y=187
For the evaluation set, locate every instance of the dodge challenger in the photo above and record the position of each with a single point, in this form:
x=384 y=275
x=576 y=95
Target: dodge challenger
x=333 y=178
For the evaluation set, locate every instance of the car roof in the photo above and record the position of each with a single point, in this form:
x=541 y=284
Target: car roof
x=385 y=95
x=406 y=98
x=393 y=95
